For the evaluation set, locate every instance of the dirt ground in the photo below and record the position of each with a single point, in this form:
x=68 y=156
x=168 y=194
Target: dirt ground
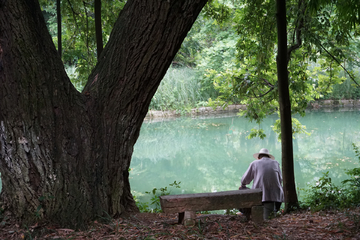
x=297 y=225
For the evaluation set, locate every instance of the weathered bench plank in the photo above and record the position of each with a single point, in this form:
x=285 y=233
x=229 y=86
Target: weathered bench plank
x=211 y=201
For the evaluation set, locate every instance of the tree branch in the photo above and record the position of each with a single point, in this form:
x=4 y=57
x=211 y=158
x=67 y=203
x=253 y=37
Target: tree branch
x=75 y=20
x=264 y=94
x=267 y=82
x=338 y=62
x=299 y=26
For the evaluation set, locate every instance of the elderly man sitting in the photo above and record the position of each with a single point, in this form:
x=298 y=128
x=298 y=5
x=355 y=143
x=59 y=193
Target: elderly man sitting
x=266 y=174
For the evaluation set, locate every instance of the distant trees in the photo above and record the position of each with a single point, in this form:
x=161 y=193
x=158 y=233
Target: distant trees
x=210 y=47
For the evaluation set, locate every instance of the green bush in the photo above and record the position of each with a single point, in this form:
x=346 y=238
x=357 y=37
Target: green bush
x=326 y=195
x=353 y=184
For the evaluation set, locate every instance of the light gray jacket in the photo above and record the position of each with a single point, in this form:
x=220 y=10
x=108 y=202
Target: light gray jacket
x=266 y=174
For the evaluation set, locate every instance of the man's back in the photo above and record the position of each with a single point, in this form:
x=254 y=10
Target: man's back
x=266 y=174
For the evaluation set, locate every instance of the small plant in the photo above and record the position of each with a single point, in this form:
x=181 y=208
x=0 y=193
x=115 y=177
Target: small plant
x=143 y=206
x=155 y=200
x=231 y=211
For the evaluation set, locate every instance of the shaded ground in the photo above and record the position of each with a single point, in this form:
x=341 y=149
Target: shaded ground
x=299 y=225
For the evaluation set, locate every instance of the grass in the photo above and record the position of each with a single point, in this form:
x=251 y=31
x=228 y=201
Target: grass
x=179 y=90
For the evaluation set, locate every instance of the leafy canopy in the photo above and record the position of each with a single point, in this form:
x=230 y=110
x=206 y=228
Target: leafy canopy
x=316 y=48
x=78 y=33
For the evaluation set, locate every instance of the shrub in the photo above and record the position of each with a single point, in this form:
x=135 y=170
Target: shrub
x=326 y=195
x=353 y=184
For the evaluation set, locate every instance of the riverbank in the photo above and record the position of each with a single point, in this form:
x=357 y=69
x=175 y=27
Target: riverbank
x=321 y=104
x=152 y=114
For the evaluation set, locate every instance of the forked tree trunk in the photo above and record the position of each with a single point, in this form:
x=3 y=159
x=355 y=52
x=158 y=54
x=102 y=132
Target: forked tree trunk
x=65 y=155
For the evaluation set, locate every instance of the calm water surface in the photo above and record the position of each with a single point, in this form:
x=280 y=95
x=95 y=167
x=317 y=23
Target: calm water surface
x=211 y=154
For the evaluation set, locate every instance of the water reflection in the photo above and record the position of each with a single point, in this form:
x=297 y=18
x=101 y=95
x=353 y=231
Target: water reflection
x=211 y=154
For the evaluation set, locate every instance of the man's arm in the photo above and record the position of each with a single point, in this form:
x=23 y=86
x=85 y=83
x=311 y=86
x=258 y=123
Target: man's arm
x=280 y=174
x=247 y=177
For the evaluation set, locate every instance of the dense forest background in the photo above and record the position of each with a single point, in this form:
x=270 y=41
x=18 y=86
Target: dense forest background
x=222 y=46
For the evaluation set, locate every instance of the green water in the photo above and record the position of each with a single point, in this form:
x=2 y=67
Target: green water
x=212 y=154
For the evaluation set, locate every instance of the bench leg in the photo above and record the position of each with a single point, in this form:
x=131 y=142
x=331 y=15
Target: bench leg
x=257 y=214
x=189 y=218
x=246 y=212
x=181 y=217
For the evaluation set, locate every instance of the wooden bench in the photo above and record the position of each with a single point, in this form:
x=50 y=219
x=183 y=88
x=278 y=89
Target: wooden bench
x=187 y=204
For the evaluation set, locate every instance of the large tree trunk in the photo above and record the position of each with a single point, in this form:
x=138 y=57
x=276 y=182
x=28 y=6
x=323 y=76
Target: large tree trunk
x=59 y=33
x=65 y=155
x=98 y=28
x=285 y=110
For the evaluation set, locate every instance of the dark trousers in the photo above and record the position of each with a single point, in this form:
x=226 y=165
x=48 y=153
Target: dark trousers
x=269 y=208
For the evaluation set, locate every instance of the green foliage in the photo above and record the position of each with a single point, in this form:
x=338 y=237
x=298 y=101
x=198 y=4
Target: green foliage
x=154 y=206
x=257 y=133
x=257 y=54
x=188 y=53
x=297 y=128
x=231 y=52
x=346 y=89
x=233 y=211
x=143 y=206
x=346 y=12
x=313 y=37
x=217 y=102
x=217 y=40
x=326 y=195
x=353 y=183
x=78 y=32
x=217 y=10
x=178 y=90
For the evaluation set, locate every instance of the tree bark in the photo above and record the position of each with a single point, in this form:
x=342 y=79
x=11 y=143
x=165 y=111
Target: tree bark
x=98 y=28
x=285 y=110
x=65 y=155
x=59 y=33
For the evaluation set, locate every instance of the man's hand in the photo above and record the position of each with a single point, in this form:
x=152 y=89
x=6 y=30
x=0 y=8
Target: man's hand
x=242 y=187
